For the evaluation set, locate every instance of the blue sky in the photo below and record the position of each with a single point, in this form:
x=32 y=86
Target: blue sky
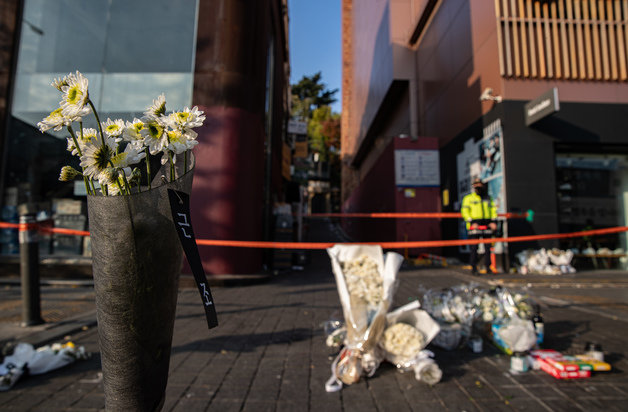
x=315 y=42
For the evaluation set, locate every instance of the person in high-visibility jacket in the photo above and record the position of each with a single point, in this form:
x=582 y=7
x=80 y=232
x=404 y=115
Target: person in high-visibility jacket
x=479 y=211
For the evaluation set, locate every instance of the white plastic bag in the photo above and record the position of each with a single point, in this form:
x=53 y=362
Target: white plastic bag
x=36 y=362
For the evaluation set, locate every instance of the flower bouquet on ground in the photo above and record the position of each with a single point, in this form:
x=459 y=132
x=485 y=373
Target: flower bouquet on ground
x=366 y=283
x=136 y=254
x=410 y=329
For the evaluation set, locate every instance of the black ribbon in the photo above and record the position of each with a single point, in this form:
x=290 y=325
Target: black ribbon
x=180 y=206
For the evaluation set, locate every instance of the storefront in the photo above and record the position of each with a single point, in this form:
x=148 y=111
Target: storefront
x=570 y=168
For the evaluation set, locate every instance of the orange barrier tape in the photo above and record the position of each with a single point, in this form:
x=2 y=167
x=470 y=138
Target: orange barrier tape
x=425 y=215
x=325 y=245
x=402 y=245
x=5 y=225
x=63 y=231
x=22 y=227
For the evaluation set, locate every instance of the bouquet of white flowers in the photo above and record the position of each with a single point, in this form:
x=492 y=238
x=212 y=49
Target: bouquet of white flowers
x=366 y=283
x=136 y=251
x=110 y=155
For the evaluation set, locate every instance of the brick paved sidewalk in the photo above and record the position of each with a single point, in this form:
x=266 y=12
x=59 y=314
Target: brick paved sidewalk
x=269 y=354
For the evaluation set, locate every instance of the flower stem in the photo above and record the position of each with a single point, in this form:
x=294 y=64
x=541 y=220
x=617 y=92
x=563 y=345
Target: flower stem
x=171 y=166
x=185 y=162
x=147 y=167
x=126 y=183
x=78 y=149
x=102 y=136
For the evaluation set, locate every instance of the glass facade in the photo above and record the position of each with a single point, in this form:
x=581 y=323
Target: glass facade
x=592 y=193
x=130 y=51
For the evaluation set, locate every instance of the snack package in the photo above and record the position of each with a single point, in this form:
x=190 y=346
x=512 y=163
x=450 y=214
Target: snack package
x=568 y=363
x=557 y=365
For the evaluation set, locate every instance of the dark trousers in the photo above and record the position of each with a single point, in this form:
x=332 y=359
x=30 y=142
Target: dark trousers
x=473 y=256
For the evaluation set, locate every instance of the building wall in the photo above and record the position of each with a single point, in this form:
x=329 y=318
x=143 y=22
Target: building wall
x=9 y=11
x=228 y=199
x=461 y=49
x=456 y=58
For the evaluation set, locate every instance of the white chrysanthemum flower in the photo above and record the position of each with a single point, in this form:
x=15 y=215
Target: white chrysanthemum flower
x=157 y=109
x=179 y=143
x=75 y=96
x=130 y=156
x=402 y=340
x=113 y=128
x=132 y=133
x=97 y=156
x=55 y=120
x=155 y=137
x=82 y=138
x=108 y=176
x=113 y=179
x=68 y=173
x=59 y=83
x=188 y=118
x=191 y=135
x=363 y=279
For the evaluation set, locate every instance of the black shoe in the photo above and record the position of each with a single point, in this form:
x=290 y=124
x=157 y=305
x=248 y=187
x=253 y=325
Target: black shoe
x=474 y=272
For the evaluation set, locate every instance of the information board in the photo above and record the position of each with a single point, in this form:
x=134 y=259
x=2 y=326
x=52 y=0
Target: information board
x=417 y=168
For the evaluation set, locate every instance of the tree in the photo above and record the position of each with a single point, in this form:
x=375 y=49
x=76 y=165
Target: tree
x=310 y=92
x=324 y=132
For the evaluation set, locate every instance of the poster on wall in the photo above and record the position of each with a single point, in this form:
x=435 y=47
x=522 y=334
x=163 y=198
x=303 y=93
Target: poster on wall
x=482 y=159
x=417 y=168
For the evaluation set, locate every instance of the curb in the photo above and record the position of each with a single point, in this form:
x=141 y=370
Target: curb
x=53 y=331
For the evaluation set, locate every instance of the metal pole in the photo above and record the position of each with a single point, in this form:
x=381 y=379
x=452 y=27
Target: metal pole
x=29 y=268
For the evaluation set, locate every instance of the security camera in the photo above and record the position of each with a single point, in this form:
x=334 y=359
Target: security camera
x=487 y=94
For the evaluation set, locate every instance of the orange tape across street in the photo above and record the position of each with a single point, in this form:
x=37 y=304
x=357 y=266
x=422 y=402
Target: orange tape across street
x=325 y=245
x=402 y=245
x=418 y=215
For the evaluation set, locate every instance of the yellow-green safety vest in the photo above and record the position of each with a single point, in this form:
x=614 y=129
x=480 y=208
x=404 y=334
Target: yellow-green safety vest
x=476 y=208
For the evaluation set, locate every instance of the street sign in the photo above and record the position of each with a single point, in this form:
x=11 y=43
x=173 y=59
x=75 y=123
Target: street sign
x=541 y=107
x=297 y=127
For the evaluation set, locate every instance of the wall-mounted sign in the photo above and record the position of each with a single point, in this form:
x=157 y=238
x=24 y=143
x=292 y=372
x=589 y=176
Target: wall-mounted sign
x=541 y=107
x=286 y=161
x=417 y=168
x=300 y=149
x=297 y=127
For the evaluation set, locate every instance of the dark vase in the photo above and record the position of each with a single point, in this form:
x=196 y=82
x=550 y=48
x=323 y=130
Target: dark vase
x=136 y=259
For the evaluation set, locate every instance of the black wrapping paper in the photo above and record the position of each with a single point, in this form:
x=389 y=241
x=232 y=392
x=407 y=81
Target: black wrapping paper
x=136 y=259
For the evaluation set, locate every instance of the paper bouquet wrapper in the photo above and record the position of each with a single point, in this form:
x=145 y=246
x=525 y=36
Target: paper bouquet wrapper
x=365 y=323
x=136 y=260
x=412 y=315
